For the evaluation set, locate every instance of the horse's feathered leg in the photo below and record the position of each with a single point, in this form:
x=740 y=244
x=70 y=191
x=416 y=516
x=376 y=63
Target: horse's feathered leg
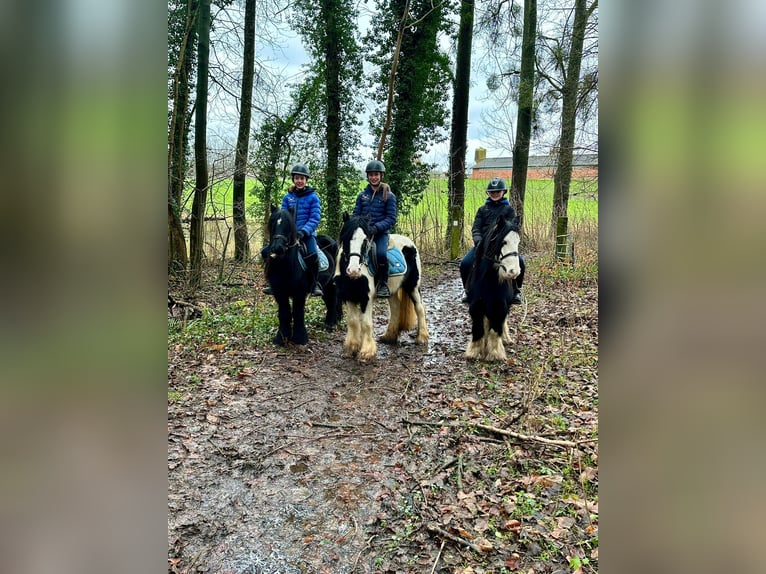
x=391 y=335
x=494 y=347
x=353 y=341
x=369 y=349
x=285 y=332
x=476 y=346
x=300 y=336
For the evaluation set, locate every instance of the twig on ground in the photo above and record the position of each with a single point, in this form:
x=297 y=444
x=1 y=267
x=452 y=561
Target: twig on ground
x=436 y=530
x=359 y=555
x=438 y=556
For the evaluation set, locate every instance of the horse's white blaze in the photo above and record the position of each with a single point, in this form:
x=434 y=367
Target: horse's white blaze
x=354 y=269
x=509 y=267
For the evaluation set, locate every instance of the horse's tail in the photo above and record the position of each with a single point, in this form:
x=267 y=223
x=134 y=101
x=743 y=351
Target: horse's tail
x=408 y=318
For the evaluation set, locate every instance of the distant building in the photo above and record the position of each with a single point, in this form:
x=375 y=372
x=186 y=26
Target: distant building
x=540 y=166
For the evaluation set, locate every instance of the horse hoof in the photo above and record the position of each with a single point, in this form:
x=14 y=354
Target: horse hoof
x=279 y=340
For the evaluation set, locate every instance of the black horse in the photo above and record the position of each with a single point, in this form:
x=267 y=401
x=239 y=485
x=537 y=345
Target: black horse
x=490 y=287
x=290 y=280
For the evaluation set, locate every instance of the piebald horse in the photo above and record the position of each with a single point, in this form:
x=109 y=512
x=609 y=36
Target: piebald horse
x=490 y=288
x=356 y=289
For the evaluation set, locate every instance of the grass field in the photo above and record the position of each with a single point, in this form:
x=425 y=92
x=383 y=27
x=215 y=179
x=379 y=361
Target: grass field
x=427 y=223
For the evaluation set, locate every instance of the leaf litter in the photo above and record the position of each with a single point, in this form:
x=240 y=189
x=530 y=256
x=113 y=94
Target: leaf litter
x=297 y=460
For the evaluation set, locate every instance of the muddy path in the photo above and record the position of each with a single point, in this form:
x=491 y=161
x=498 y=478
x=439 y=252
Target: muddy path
x=297 y=460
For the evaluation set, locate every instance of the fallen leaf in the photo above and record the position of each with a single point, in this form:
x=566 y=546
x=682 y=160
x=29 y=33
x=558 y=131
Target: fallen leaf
x=512 y=562
x=484 y=544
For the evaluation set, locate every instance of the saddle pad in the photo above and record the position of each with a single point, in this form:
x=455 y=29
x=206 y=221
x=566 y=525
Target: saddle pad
x=324 y=263
x=396 y=263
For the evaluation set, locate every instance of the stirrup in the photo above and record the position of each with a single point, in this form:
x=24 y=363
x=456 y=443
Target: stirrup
x=383 y=291
x=267 y=289
x=317 y=291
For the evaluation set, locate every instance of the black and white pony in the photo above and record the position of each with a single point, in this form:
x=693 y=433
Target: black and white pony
x=490 y=287
x=290 y=280
x=354 y=277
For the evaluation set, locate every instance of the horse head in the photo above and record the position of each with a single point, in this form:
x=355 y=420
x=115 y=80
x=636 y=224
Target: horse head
x=282 y=231
x=501 y=245
x=356 y=241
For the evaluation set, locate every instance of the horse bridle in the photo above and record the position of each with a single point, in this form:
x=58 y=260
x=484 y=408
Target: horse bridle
x=287 y=240
x=362 y=258
x=499 y=260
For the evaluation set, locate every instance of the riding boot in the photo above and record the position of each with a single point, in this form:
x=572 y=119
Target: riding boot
x=517 y=283
x=312 y=266
x=382 y=283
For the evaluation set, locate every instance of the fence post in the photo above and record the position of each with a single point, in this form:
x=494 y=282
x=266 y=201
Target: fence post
x=561 y=238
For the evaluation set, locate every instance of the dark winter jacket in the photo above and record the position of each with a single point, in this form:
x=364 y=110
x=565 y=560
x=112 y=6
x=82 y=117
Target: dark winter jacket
x=486 y=216
x=308 y=211
x=379 y=206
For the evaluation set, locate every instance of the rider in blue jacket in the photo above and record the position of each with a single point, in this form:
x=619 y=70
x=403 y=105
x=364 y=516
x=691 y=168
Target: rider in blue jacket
x=378 y=203
x=308 y=213
x=484 y=219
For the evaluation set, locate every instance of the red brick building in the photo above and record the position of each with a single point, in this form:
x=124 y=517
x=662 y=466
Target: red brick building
x=540 y=166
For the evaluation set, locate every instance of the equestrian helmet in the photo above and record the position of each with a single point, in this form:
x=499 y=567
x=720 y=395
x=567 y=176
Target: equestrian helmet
x=300 y=169
x=375 y=165
x=496 y=184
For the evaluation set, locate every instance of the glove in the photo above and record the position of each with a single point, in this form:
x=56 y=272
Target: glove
x=301 y=235
x=374 y=229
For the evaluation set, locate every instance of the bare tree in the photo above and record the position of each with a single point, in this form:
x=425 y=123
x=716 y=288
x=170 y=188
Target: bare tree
x=241 y=241
x=197 y=231
x=526 y=99
x=570 y=92
x=456 y=199
x=181 y=37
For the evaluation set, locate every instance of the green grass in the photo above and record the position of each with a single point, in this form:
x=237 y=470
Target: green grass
x=427 y=223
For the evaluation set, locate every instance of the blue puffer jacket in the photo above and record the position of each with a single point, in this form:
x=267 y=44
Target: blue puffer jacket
x=379 y=206
x=308 y=212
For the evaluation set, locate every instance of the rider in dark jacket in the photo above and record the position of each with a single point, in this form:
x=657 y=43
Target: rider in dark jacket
x=485 y=217
x=378 y=202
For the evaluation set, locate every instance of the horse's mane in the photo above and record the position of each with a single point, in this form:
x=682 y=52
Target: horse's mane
x=276 y=214
x=506 y=221
x=350 y=223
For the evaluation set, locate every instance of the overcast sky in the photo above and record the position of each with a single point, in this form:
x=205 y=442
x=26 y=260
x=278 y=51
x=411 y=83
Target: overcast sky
x=288 y=61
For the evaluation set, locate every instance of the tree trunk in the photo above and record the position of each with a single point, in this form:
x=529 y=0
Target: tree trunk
x=456 y=206
x=563 y=175
x=391 y=80
x=332 y=118
x=241 y=241
x=197 y=230
x=524 y=122
x=177 y=139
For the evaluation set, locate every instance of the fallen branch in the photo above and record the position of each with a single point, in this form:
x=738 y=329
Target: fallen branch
x=436 y=530
x=504 y=432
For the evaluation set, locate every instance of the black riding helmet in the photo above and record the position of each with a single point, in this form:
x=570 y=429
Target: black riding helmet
x=375 y=165
x=496 y=184
x=300 y=169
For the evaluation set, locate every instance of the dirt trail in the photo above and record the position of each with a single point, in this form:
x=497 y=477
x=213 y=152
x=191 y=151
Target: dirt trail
x=302 y=461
